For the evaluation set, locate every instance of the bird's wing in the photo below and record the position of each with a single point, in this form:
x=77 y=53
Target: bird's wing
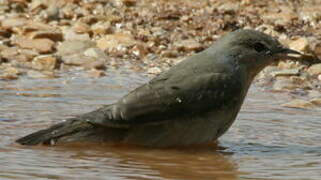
x=165 y=98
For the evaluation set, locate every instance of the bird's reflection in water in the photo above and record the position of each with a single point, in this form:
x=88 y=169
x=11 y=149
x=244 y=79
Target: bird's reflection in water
x=128 y=162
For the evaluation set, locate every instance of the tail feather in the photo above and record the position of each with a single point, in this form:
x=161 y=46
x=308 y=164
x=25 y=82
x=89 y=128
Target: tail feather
x=54 y=133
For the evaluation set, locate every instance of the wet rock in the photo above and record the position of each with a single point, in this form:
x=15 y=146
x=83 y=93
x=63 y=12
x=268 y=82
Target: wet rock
x=47 y=63
x=315 y=69
x=73 y=47
x=114 y=41
x=286 y=72
x=70 y=34
x=40 y=45
x=298 y=103
x=300 y=44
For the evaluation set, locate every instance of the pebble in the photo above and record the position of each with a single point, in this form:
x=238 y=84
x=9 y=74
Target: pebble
x=71 y=47
x=114 y=41
x=315 y=69
x=54 y=35
x=46 y=62
x=154 y=70
x=40 y=45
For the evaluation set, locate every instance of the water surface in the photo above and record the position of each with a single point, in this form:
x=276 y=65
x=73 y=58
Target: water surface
x=267 y=141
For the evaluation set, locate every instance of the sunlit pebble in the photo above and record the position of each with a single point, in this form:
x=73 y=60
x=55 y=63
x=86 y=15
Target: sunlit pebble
x=319 y=77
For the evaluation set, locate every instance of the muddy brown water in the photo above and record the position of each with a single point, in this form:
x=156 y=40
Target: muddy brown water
x=267 y=141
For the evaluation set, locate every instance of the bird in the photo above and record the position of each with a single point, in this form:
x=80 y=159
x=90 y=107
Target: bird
x=192 y=103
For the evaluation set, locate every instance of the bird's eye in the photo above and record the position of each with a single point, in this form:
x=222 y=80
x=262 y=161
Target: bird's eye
x=259 y=47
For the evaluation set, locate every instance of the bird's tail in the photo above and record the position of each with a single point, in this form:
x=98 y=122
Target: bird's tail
x=67 y=130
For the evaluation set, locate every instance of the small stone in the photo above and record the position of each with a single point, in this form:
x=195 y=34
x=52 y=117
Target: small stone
x=13 y=22
x=114 y=41
x=101 y=28
x=154 y=70
x=189 y=45
x=95 y=65
x=70 y=34
x=12 y=70
x=94 y=73
x=289 y=65
x=32 y=26
x=10 y=73
x=53 y=35
x=84 y=61
x=170 y=53
x=77 y=59
x=300 y=44
x=40 y=45
x=315 y=69
x=81 y=27
x=9 y=53
x=298 y=103
x=96 y=53
x=229 y=7
x=52 y=12
x=47 y=63
x=139 y=50
x=316 y=101
x=6 y=76
x=73 y=47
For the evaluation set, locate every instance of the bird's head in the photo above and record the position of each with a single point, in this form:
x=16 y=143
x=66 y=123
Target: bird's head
x=254 y=50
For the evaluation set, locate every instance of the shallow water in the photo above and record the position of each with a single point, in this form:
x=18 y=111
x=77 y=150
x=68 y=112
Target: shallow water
x=267 y=141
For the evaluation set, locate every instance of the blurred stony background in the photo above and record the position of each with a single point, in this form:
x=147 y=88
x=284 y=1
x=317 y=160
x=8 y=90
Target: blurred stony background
x=43 y=38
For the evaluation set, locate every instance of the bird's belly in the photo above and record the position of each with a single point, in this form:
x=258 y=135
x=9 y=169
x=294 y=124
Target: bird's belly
x=183 y=131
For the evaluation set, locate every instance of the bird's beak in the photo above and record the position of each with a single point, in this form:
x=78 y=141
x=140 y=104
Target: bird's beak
x=286 y=53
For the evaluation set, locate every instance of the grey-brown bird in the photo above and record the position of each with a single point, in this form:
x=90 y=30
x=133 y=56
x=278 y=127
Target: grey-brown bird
x=194 y=102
